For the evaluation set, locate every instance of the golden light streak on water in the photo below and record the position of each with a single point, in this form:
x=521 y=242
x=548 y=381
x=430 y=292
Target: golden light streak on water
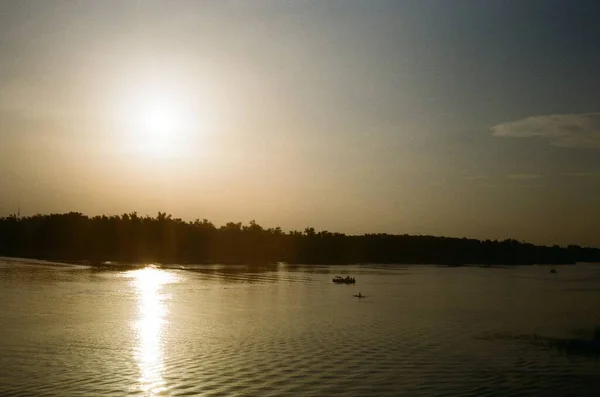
x=149 y=326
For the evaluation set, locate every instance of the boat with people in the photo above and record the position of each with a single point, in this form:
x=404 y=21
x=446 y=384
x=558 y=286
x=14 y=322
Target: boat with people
x=359 y=296
x=343 y=280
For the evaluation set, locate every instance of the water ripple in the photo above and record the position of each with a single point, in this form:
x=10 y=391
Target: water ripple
x=224 y=332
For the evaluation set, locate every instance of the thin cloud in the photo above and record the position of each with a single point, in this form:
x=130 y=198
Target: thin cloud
x=475 y=178
x=577 y=174
x=524 y=176
x=568 y=130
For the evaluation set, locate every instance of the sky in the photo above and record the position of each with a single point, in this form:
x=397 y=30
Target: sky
x=456 y=118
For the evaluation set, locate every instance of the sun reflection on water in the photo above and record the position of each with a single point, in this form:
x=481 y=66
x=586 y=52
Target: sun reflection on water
x=149 y=326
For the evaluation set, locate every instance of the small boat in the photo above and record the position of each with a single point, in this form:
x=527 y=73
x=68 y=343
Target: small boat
x=343 y=280
x=359 y=296
x=553 y=270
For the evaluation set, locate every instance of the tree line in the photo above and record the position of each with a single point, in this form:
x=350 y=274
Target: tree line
x=165 y=239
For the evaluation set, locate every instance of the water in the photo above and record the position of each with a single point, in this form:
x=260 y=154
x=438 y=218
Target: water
x=289 y=331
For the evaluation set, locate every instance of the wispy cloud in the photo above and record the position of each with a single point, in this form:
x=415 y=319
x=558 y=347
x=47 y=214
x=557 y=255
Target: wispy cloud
x=524 y=176
x=475 y=178
x=568 y=130
x=577 y=174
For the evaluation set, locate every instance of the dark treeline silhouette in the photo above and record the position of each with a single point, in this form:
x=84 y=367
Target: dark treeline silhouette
x=164 y=239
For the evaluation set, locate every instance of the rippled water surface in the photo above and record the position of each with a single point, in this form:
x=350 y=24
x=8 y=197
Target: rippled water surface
x=289 y=331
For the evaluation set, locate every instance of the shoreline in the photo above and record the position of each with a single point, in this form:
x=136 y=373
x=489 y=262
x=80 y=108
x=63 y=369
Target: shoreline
x=184 y=265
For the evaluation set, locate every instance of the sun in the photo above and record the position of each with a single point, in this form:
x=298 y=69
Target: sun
x=157 y=122
x=158 y=117
x=159 y=127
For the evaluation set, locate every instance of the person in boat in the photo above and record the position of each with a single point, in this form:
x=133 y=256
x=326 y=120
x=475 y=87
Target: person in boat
x=360 y=295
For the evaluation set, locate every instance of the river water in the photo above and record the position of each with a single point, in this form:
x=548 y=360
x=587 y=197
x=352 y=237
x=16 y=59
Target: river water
x=289 y=331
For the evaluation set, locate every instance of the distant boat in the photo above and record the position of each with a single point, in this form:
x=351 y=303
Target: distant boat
x=553 y=270
x=359 y=296
x=343 y=280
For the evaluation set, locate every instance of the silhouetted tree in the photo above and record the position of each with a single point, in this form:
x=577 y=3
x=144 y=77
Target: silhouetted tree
x=132 y=238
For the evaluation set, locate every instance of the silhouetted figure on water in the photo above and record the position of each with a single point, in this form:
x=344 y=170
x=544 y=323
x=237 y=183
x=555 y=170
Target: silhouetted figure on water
x=342 y=280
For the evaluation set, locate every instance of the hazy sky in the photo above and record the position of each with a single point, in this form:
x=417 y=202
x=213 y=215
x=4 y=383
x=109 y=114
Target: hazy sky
x=459 y=118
